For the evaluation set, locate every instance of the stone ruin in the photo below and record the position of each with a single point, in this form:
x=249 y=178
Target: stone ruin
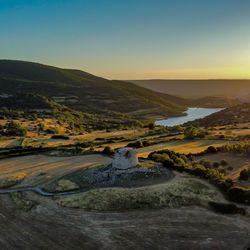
x=125 y=158
x=123 y=170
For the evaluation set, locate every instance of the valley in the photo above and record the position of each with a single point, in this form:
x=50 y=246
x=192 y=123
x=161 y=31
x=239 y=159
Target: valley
x=60 y=133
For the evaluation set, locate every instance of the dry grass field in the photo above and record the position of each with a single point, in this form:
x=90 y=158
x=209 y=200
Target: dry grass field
x=42 y=169
x=183 y=146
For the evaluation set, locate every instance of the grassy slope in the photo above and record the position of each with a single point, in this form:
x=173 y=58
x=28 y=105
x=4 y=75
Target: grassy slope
x=94 y=93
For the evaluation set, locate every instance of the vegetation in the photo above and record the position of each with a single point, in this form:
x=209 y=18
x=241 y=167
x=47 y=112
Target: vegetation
x=13 y=129
x=66 y=185
x=108 y=151
x=239 y=114
x=226 y=208
x=12 y=180
x=82 y=91
x=216 y=173
x=192 y=133
x=60 y=137
x=22 y=202
x=245 y=174
x=169 y=194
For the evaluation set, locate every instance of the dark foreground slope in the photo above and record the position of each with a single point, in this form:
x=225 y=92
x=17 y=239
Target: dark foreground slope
x=51 y=227
x=82 y=91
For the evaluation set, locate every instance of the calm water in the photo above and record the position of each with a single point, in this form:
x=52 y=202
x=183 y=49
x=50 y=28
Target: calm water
x=192 y=114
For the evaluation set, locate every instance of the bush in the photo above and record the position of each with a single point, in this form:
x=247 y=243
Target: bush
x=211 y=150
x=223 y=163
x=239 y=194
x=226 y=208
x=190 y=133
x=52 y=131
x=151 y=126
x=216 y=164
x=244 y=175
x=61 y=137
x=207 y=164
x=222 y=170
x=14 y=129
x=108 y=151
x=136 y=144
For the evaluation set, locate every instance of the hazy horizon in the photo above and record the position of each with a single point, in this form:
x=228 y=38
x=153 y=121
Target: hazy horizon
x=131 y=39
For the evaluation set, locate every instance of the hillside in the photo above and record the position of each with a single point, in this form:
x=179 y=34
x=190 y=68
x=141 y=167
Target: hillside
x=29 y=107
x=199 y=88
x=232 y=115
x=82 y=91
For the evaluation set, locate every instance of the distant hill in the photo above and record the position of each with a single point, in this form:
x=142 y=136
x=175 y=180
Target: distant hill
x=84 y=92
x=199 y=88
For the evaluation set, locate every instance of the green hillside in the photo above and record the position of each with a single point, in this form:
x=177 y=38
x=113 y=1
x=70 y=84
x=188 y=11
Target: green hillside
x=84 y=92
x=30 y=107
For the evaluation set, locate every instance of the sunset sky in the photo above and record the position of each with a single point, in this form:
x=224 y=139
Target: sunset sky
x=131 y=39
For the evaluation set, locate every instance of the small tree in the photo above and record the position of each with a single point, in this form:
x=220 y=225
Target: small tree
x=108 y=151
x=151 y=126
x=14 y=129
x=190 y=133
x=244 y=175
x=223 y=163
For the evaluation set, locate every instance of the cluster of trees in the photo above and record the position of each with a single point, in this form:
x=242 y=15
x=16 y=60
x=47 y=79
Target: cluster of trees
x=193 y=132
x=181 y=162
x=140 y=144
x=12 y=129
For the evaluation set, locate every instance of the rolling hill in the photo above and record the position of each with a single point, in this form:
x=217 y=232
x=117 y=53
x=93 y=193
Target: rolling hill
x=199 y=88
x=85 y=92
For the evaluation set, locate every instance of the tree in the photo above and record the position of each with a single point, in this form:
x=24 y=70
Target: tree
x=244 y=175
x=223 y=163
x=151 y=126
x=108 y=151
x=190 y=133
x=14 y=129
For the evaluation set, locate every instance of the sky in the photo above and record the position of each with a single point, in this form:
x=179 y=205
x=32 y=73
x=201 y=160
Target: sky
x=131 y=39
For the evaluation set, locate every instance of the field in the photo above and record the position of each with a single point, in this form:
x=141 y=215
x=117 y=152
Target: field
x=41 y=169
x=115 y=217
x=183 y=146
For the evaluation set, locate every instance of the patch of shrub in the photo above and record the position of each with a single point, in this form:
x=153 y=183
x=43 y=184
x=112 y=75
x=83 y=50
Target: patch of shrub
x=14 y=129
x=60 y=137
x=239 y=194
x=216 y=164
x=244 y=175
x=211 y=150
x=226 y=208
x=136 y=144
x=223 y=163
x=108 y=151
x=52 y=131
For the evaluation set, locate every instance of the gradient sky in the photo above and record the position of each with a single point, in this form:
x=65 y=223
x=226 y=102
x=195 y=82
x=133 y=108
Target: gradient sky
x=131 y=39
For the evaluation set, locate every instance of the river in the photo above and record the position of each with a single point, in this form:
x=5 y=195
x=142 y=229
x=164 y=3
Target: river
x=192 y=114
